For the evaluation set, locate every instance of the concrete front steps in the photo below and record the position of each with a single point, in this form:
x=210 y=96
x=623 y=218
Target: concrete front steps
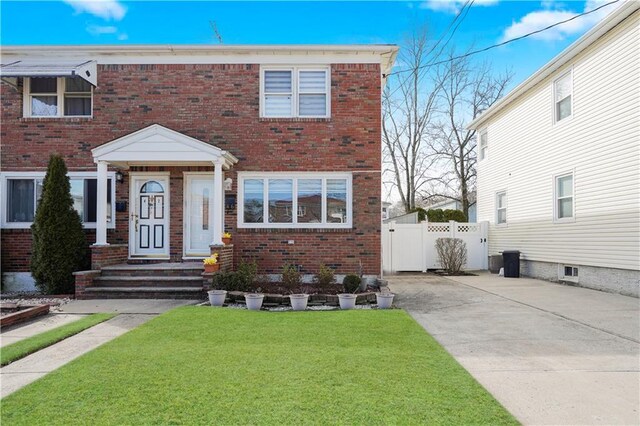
x=148 y=281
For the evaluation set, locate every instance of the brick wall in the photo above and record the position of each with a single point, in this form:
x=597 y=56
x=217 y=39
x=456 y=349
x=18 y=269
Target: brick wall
x=225 y=256
x=218 y=104
x=112 y=254
x=84 y=279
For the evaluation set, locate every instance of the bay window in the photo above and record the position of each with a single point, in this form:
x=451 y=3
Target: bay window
x=295 y=92
x=294 y=200
x=24 y=191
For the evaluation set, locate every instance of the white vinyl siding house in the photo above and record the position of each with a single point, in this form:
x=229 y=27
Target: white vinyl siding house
x=572 y=170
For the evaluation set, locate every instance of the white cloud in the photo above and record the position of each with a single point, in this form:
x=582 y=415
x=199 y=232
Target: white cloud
x=97 y=30
x=453 y=6
x=105 y=9
x=555 y=12
x=123 y=36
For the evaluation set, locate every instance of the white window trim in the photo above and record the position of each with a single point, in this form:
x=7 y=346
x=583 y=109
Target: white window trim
x=60 y=82
x=504 y=224
x=563 y=277
x=486 y=156
x=295 y=71
x=5 y=176
x=242 y=176
x=557 y=219
x=553 y=97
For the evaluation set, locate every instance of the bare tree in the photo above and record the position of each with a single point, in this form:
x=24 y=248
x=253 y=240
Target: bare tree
x=409 y=102
x=466 y=89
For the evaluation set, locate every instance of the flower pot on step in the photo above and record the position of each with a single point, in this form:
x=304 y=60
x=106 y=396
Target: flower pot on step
x=217 y=297
x=254 y=301
x=212 y=268
x=299 y=301
x=226 y=241
x=347 y=301
x=384 y=300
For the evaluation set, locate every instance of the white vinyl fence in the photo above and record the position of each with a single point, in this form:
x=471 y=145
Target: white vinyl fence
x=411 y=247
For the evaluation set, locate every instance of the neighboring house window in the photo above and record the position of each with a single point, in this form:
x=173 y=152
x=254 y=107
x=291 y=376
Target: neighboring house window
x=23 y=193
x=501 y=207
x=562 y=89
x=484 y=147
x=295 y=92
x=568 y=273
x=57 y=97
x=564 y=201
x=321 y=200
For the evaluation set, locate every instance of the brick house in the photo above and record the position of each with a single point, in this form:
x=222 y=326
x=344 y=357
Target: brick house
x=169 y=146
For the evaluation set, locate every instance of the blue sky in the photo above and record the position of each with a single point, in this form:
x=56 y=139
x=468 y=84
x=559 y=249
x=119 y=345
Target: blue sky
x=142 y=22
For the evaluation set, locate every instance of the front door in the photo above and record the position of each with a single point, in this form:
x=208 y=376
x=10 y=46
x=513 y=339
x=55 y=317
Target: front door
x=198 y=214
x=149 y=218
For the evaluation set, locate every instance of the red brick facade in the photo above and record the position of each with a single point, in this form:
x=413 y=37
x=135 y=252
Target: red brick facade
x=219 y=104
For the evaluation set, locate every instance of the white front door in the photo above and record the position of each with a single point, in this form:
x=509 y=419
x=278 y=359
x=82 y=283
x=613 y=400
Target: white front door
x=198 y=214
x=149 y=218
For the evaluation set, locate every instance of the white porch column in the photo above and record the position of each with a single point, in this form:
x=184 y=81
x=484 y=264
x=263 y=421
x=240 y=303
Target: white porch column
x=218 y=204
x=101 y=208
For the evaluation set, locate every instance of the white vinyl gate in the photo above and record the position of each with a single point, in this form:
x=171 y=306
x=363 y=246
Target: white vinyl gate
x=411 y=247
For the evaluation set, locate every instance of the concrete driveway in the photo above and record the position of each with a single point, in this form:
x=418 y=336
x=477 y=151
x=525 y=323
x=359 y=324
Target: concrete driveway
x=551 y=354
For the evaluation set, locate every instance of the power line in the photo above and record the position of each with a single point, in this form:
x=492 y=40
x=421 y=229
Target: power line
x=474 y=52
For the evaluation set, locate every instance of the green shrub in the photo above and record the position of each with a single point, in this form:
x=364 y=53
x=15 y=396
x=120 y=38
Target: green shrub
x=351 y=283
x=439 y=215
x=246 y=274
x=291 y=278
x=422 y=213
x=59 y=243
x=230 y=281
x=435 y=215
x=325 y=277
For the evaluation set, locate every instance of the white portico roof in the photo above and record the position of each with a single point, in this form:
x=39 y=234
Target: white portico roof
x=158 y=145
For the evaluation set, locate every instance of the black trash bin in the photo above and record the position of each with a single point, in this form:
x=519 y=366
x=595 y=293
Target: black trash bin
x=511 y=259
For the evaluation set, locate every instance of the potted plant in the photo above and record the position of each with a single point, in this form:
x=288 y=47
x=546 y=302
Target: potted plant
x=218 y=292
x=211 y=263
x=254 y=301
x=384 y=300
x=226 y=238
x=292 y=281
x=351 y=284
x=217 y=297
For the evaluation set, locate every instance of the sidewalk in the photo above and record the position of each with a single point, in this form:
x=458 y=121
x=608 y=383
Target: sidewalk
x=36 y=326
x=551 y=354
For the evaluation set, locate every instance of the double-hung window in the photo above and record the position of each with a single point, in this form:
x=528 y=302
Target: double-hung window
x=564 y=200
x=562 y=93
x=57 y=97
x=483 y=145
x=295 y=92
x=501 y=208
x=24 y=190
x=295 y=200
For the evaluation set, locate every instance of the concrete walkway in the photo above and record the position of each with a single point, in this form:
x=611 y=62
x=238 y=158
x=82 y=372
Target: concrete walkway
x=37 y=326
x=551 y=354
x=30 y=368
x=124 y=306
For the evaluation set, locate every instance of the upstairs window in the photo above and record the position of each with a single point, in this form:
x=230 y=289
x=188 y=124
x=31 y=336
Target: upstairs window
x=295 y=92
x=562 y=91
x=501 y=208
x=564 y=201
x=483 y=145
x=57 y=97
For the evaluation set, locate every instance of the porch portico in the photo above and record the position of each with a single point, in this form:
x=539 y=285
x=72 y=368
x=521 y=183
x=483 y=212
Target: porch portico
x=158 y=146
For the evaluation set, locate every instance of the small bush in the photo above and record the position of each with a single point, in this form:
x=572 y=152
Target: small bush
x=422 y=213
x=439 y=215
x=291 y=278
x=351 y=283
x=325 y=277
x=435 y=215
x=229 y=281
x=452 y=254
x=247 y=272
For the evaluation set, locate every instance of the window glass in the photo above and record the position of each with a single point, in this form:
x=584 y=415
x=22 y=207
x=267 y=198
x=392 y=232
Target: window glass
x=565 y=186
x=280 y=200
x=336 y=201
x=77 y=85
x=313 y=105
x=77 y=194
x=44 y=106
x=277 y=81
x=44 y=85
x=277 y=106
x=483 y=145
x=312 y=89
x=20 y=200
x=253 y=200
x=309 y=200
x=77 y=105
x=501 y=208
x=564 y=194
x=90 y=205
x=562 y=89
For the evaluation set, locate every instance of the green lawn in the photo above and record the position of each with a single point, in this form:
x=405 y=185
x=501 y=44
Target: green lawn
x=199 y=365
x=25 y=347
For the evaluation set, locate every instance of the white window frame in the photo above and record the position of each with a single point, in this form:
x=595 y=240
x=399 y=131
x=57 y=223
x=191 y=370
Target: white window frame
x=553 y=98
x=571 y=278
x=481 y=156
x=60 y=91
x=498 y=193
x=5 y=176
x=557 y=219
x=242 y=176
x=295 y=73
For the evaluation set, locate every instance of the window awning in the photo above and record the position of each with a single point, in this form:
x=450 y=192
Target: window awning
x=87 y=70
